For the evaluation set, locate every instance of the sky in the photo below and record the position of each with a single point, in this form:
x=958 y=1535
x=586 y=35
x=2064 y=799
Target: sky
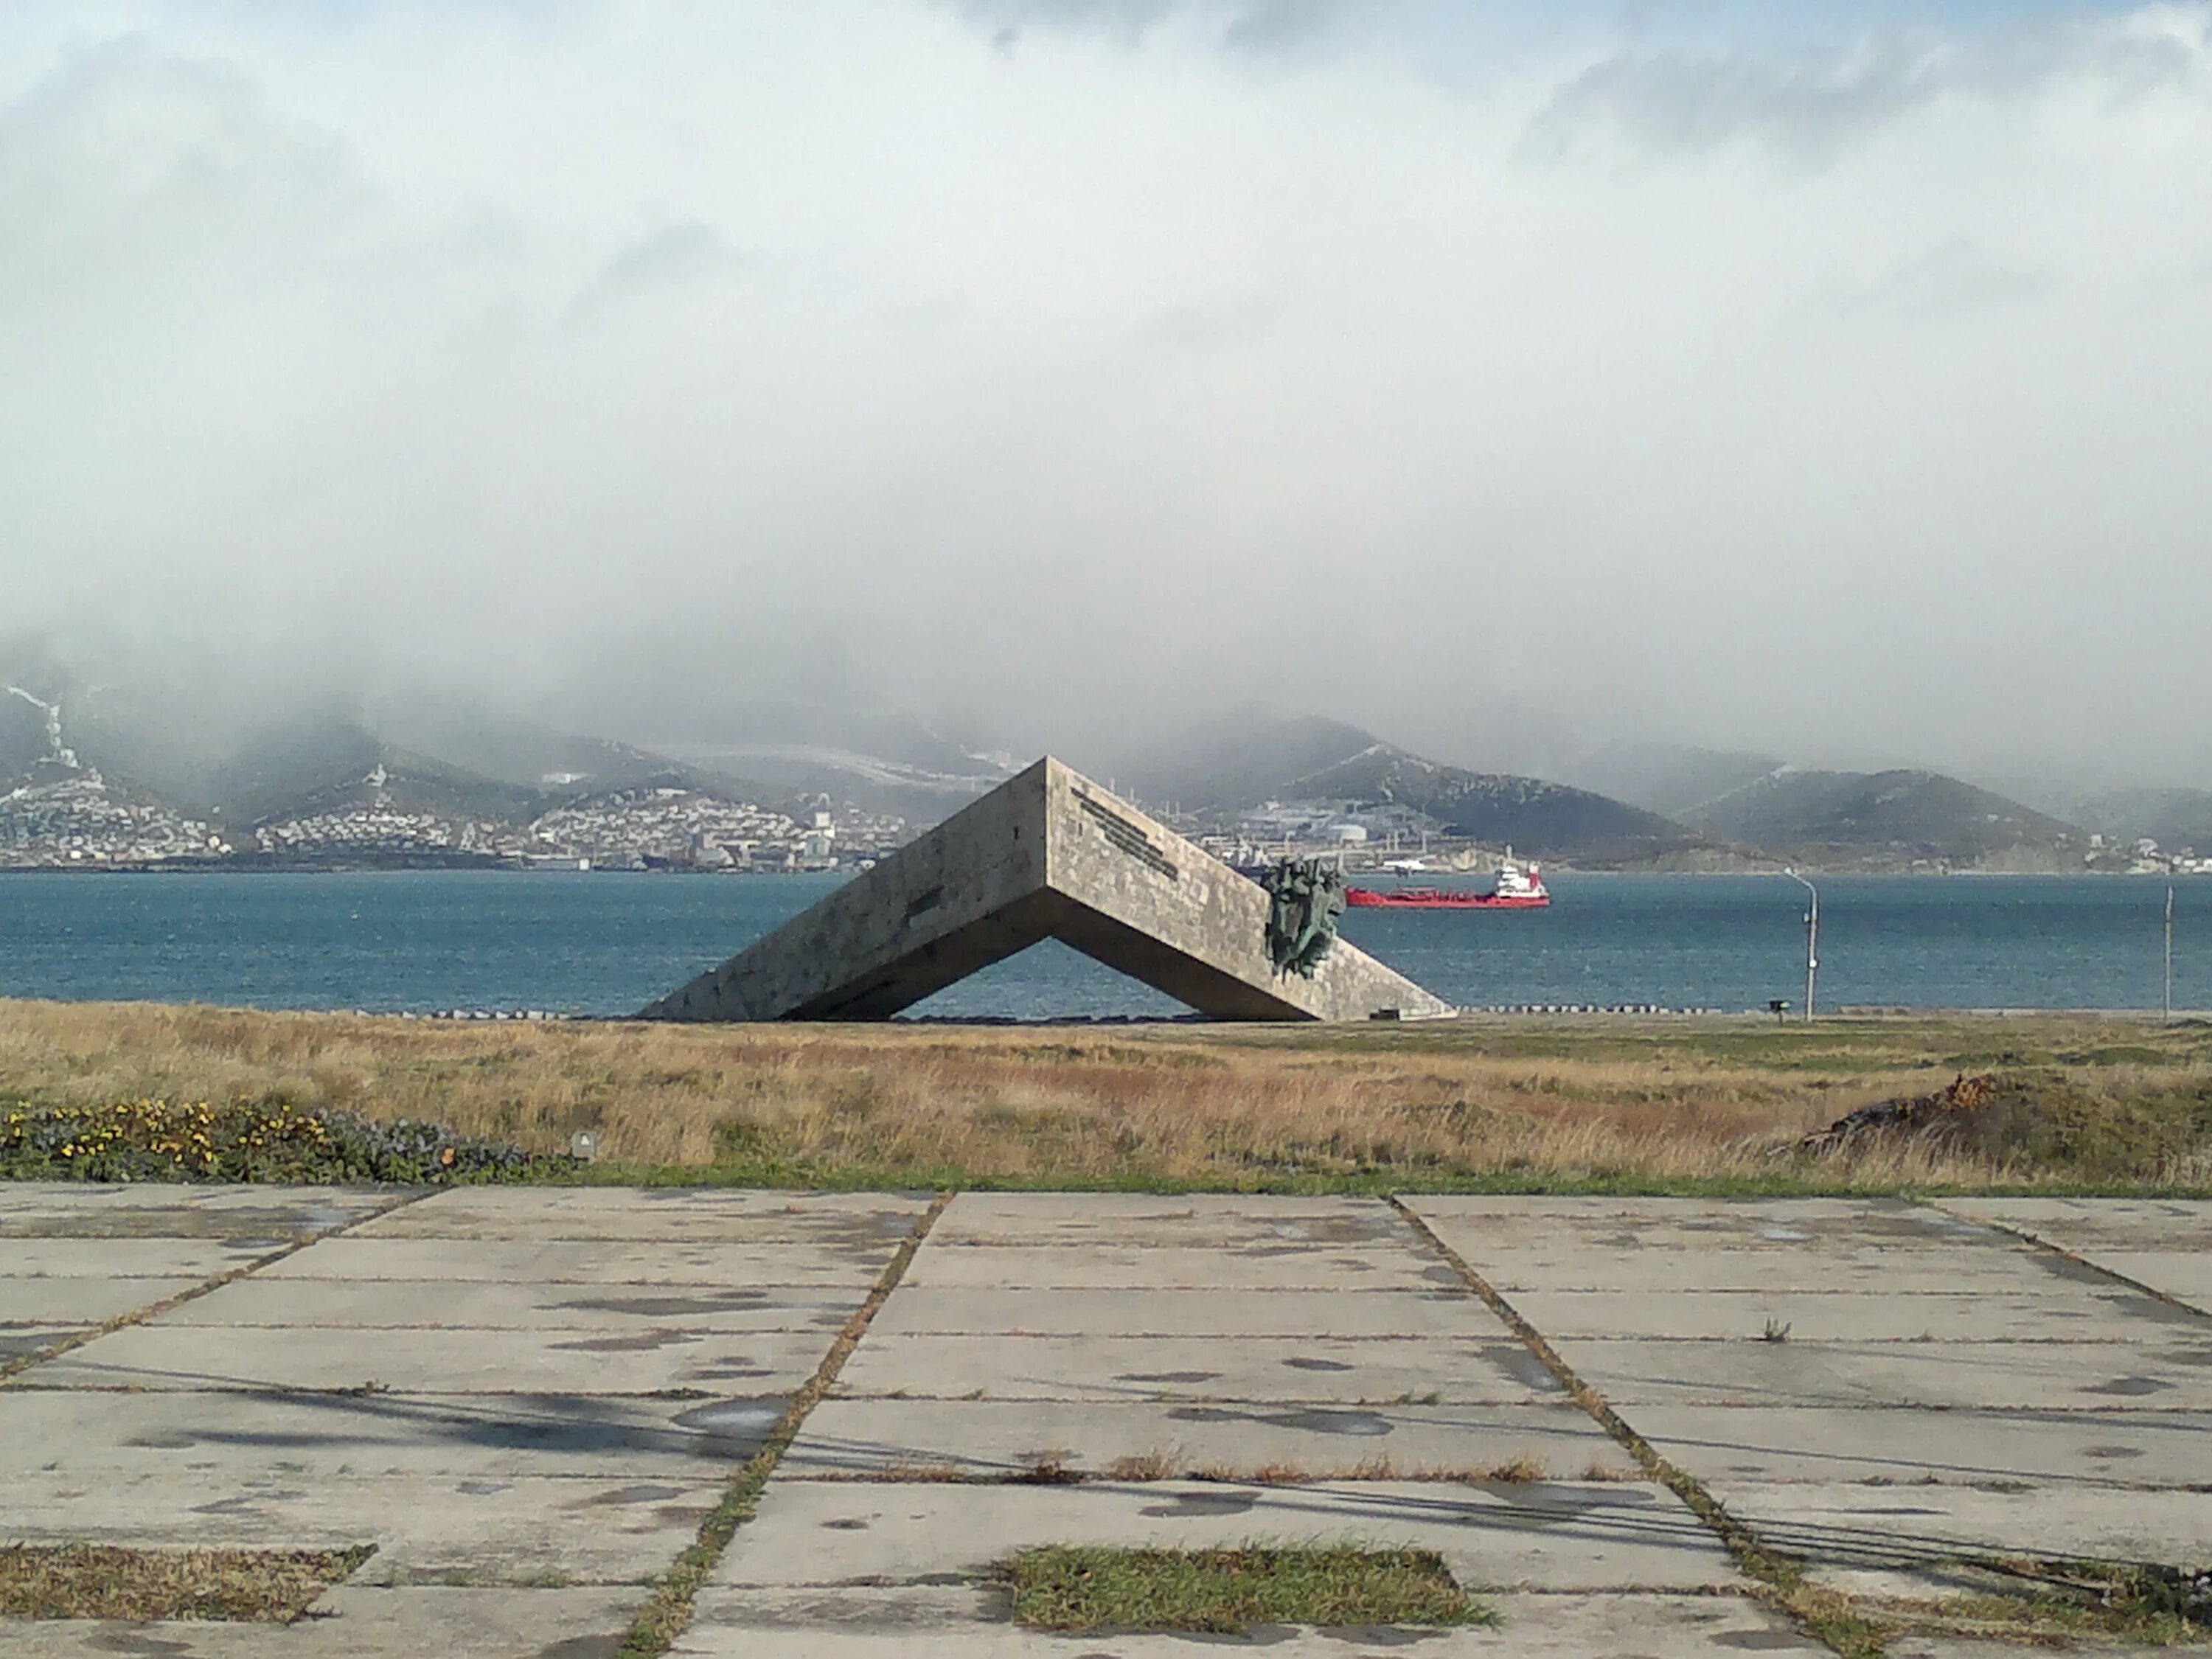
x=1834 y=382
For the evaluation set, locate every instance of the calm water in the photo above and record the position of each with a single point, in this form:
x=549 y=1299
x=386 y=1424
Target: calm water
x=608 y=943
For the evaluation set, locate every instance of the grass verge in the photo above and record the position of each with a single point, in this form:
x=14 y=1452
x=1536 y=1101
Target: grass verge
x=100 y=1581
x=1716 y=1107
x=668 y=1614
x=1227 y=1590
x=2031 y=1604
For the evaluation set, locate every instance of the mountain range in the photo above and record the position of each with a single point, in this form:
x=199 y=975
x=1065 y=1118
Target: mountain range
x=1624 y=806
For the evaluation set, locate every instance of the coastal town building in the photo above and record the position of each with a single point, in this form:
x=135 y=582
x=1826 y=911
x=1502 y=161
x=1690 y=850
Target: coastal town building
x=76 y=819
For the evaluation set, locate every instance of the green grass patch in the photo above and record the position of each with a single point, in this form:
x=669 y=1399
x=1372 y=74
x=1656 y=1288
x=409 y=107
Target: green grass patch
x=1057 y=1588
x=99 y=1581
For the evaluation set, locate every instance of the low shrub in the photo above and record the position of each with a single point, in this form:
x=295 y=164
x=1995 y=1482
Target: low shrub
x=244 y=1140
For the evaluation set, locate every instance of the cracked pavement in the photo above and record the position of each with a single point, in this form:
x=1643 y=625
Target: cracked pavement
x=529 y=1399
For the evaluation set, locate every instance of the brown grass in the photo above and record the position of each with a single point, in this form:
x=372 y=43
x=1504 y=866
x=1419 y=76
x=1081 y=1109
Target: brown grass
x=99 y=1581
x=1505 y=1100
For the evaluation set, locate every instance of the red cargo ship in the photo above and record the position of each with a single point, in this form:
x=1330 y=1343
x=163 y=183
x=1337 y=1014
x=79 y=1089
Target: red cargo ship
x=1517 y=890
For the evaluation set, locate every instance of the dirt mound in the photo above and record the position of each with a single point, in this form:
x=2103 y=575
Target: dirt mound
x=1949 y=1108
x=2037 y=1122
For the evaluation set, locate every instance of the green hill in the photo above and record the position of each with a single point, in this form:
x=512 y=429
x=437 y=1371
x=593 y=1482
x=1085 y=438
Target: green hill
x=1227 y=767
x=1884 y=820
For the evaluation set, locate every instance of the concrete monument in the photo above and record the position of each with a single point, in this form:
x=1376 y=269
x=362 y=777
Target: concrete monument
x=1048 y=854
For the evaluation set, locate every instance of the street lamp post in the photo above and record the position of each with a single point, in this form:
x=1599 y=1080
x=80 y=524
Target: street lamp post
x=2169 y=954
x=1812 y=940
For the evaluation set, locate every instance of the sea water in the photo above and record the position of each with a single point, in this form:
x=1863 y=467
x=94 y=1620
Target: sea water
x=608 y=943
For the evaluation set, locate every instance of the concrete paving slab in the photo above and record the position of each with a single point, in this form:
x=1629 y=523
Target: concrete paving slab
x=82 y=1302
x=1430 y=1370
x=521 y=1530
x=940 y=1624
x=2165 y=1243
x=2184 y=1275
x=1094 y=1268
x=1841 y=1527
x=1547 y=1535
x=2065 y=1312
x=191 y=1259
x=2090 y=1224
x=96 y=1439
x=1032 y=1220
x=1872 y=1270
x=448 y=1305
x=585 y=1262
x=914 y=1609
x=1634 y=1223
x=349 y=1622
x=17 y=1340
x=1780 y=1246
x=721 y=1215
x=145 y=1356
x=2170 y=1376
x=869 y=1436
x=1818 y=1443
x=92 y=1209
x=921 y=1309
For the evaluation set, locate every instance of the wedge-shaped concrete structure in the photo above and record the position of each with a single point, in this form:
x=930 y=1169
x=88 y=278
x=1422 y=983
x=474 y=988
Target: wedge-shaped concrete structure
x=1048 y=854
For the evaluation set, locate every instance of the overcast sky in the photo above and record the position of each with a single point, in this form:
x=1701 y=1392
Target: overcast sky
x=1503 y=377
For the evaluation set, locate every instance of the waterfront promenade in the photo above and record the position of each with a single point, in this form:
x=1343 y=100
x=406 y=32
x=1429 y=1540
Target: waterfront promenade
x=530 y=1400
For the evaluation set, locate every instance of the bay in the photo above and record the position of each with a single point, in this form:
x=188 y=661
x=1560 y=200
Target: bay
x=608 y=943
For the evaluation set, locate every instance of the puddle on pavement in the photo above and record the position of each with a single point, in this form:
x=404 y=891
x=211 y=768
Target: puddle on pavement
x=636 y=1342
x=1759 y=1641
x=1356 y=1423
x=1523 y=1368
x=743 y=1423
x=670 y=1307
x=1194 y=1505
x=234 y=1223
x=618 y=1496
x=2136 y=1305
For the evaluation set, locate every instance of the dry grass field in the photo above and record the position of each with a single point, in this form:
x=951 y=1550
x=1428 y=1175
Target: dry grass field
x=1521 y=1102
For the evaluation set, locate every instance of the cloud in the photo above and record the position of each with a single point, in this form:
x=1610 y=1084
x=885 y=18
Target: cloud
x=1811 y=102
x=1808 y=105
x=1276 y=26
x=1258 y=28
x=1951 y=282
x=1005 y=20
x=672 y=258
x=617 y=360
